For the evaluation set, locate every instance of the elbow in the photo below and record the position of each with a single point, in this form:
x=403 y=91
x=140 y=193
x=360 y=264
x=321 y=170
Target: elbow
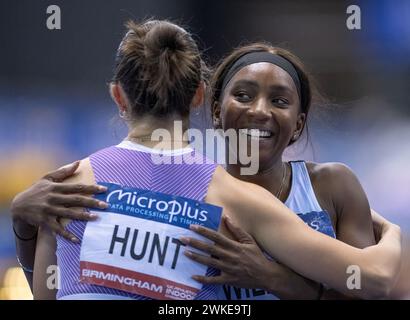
x=381 y=277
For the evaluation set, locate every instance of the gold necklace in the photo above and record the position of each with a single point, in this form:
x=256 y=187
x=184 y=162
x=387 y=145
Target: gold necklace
x=148 y=138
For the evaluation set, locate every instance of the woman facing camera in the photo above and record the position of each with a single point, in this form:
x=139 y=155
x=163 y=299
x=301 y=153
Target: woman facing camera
x=265 y=93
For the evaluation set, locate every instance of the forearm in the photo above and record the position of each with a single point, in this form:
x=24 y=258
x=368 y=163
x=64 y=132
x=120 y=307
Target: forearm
x=330 y=294
x=43 y=204
x=379 y=266
x=26 y=239
x=43 y=287
x=291 y=286
x=324 y=259
x=385 y=270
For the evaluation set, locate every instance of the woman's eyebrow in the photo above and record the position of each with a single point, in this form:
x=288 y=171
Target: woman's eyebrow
x=281 y=88
x=245 y=82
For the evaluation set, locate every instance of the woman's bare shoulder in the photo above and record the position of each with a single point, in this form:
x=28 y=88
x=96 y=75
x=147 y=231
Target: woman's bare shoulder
x=328 y=170
x=332 y=176
x=84 y=173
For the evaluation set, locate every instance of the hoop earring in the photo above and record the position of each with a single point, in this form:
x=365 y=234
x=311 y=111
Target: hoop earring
x=123 y=114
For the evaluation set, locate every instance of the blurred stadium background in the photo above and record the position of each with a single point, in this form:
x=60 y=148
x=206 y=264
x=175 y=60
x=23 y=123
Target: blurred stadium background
x=55 y=108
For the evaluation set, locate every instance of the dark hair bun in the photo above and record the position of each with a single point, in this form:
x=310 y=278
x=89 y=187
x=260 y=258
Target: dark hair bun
x=159 y=67
x=162 y=37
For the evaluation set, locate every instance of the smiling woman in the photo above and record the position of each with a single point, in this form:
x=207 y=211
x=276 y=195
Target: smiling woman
x=265 y=93
x=266 y=87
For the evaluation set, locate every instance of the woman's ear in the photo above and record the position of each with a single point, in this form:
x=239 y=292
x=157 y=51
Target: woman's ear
x=119 y=97
x=300 y=124
x=199 y=97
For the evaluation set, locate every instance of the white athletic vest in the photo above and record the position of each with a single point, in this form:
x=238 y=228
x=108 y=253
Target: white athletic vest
x=301 y=200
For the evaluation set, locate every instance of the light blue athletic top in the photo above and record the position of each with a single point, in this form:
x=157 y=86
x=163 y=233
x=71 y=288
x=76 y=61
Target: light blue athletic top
x=302 y=200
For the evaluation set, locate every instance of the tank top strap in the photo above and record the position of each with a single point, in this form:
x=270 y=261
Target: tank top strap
x=302 y=197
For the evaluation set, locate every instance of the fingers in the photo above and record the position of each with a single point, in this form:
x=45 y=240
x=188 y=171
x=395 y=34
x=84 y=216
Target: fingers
x=213 y=235
x=73 y=214
x=205 y=260
x=210 y=261
x=59 y=229
x=378 y=219
x=210 y=280
x=205 y=247
x=62 y=173
x=78 y=188
x=377 y=226
x=239 y=234
x=77 y=201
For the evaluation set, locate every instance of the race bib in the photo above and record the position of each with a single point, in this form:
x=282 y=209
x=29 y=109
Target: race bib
x=234 y=293
x=134 y=246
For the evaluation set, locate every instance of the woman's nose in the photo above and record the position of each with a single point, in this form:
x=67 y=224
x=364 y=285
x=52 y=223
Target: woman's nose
x=259 y=110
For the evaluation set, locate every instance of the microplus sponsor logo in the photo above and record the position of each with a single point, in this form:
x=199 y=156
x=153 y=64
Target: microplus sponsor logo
x=173 y=207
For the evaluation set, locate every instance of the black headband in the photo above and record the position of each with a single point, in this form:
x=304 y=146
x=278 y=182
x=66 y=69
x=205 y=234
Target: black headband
x=262 y=56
